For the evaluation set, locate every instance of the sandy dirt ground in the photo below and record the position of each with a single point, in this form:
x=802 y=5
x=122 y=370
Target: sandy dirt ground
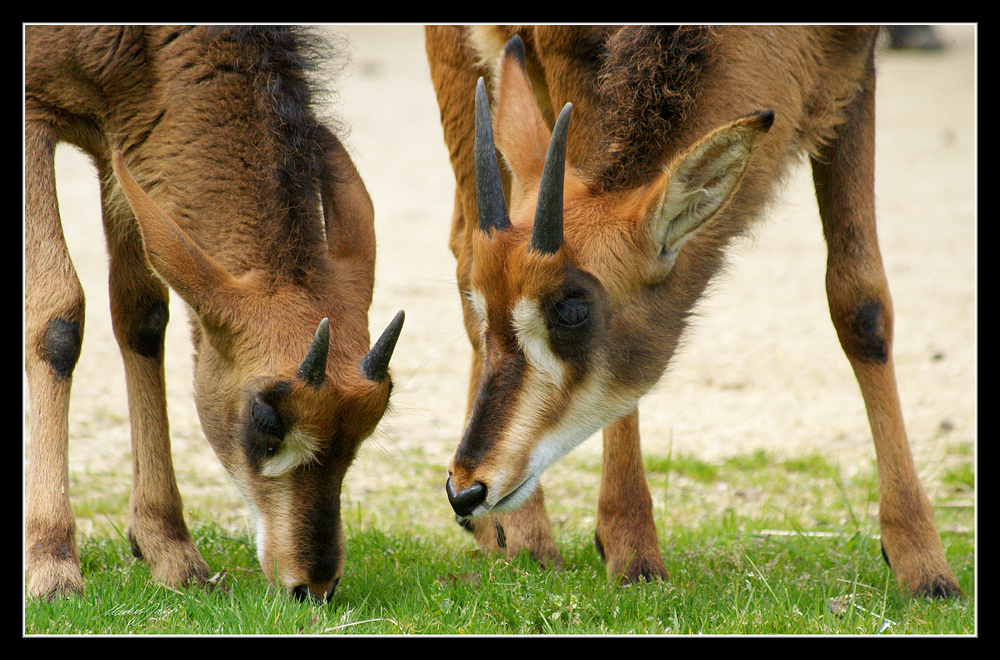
x=762 y=368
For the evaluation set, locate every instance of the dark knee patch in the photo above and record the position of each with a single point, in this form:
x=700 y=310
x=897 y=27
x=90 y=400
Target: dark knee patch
x=61 y=346
x=868 y=332
x=146 y=337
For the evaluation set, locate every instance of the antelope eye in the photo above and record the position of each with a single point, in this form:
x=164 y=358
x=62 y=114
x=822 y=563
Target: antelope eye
x=265 y=419
x=571 y=312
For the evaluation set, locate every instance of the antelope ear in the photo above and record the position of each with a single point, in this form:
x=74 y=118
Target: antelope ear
x=348 y=216
x=175 y=257
x=698 y=184
x=521 y=134
x=347 y=206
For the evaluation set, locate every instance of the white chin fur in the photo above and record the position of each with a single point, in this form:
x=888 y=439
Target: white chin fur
x=516 y=497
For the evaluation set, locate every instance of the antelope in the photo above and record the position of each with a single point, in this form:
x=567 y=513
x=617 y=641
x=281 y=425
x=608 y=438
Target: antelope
x=220 y=181
x=632 y=157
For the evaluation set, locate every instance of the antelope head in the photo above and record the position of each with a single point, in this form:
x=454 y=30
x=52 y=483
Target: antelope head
x=286 y=387
x=578 y=295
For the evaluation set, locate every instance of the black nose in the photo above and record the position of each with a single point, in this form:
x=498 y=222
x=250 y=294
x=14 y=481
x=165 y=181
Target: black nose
x=465 y=501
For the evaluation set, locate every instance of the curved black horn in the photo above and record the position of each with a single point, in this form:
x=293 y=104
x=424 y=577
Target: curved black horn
x=375 y=365
x=489 y=190
x=313 y=367
x=547 y=232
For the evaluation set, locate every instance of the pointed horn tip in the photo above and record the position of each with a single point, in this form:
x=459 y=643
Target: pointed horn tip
x=392 y=330
x=313 y=367
x=322 y=334
x=375 y=365
x=394 y=326
x=562 y=121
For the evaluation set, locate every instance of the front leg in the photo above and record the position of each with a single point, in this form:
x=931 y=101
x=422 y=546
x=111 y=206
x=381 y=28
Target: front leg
x=626 y=534
x=53 y=331
x=157 y=531
x=526 y=528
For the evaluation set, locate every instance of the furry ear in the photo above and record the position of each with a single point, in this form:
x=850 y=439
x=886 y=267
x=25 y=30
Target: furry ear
x=699 y=183
x=521 y=134
x=176 y=258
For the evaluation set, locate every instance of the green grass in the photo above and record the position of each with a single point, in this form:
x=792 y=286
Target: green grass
x=398 y=583
x=789 y=549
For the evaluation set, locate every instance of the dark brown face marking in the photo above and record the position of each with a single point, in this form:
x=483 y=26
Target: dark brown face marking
x=574 y=317
x=319 y=541
x=495 y=397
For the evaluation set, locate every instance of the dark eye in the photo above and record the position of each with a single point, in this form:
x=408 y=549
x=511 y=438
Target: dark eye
x=265 y=419
x=571 y=312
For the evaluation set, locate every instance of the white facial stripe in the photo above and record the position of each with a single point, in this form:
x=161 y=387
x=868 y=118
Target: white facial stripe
x=593 y=405
x=297 y=448
x=478 y=301
x=269 y=541
x=533 y=337
x=260 y=533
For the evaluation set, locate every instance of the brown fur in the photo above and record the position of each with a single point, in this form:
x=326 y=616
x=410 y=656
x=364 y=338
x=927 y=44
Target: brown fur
x=655 y=111
x=218 y=180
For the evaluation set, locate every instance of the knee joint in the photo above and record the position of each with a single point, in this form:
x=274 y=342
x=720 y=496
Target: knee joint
x=61 y=346
x=146 y=335
x=867 y=332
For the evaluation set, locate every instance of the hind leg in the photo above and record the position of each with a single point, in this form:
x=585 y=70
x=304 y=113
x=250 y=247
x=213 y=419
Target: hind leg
x=53 y=331
x=139 y=311
x=862 y=314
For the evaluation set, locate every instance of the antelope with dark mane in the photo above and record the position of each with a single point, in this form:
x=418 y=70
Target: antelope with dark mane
x=220 y=180
x=579 y=261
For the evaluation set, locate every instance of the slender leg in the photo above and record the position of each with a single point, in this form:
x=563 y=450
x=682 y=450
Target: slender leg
x=861 y=309
x=526 y=528
x=157 y=530
x=53 y=331
x=626 y=533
